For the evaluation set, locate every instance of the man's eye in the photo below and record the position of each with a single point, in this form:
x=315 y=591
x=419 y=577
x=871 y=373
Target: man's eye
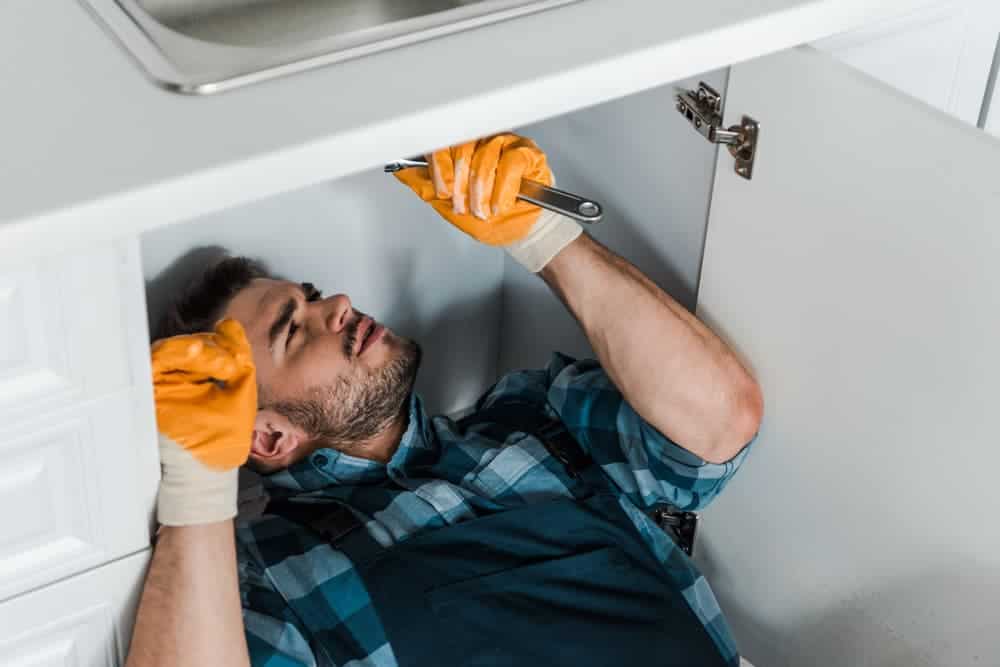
x=312 y=294
x=292 y=328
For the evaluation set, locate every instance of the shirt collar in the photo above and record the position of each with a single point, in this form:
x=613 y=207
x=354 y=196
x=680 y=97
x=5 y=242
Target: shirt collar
x=327 y=467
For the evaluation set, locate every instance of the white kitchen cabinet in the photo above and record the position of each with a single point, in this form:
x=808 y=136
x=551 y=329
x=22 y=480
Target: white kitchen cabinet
x=79 y=468
x=857 y=254
x=940 y=54
x=84 y=621
x=992 y=115
x=855 y=272
x=61 y=338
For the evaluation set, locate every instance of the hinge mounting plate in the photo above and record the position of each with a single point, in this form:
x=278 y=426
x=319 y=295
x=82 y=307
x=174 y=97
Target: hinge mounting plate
x=703 y=109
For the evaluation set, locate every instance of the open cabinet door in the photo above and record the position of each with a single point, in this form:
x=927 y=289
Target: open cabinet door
x=859 y=274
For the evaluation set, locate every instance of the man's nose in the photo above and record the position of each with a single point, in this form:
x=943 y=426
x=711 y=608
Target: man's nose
x=339 y=314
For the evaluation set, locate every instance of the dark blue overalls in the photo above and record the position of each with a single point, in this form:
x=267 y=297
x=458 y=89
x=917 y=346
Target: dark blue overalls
x=560 y=582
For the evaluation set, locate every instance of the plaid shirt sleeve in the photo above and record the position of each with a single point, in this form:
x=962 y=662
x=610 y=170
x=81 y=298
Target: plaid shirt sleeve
x=647 y=466
x=274 y=640
x=334 y=622
x=274 y=635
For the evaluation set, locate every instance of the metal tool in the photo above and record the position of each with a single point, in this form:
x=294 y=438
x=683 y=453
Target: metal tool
x=539 y=194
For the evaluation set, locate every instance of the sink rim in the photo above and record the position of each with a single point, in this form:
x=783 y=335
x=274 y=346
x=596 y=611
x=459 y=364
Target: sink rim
x=185 y=23
x=184 y=64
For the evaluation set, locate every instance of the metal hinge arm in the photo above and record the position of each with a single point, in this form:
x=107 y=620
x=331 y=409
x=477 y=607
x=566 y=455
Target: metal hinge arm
x=720 y=136
x=703 y=109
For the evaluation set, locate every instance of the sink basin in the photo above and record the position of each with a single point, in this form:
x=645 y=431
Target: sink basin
x=205 y=46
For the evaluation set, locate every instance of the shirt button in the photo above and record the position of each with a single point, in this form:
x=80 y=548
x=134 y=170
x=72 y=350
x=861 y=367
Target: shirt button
x=320 y=460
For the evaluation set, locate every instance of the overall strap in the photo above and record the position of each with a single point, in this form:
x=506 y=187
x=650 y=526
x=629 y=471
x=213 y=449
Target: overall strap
x=511 y=416
x=330 y=520
x=334 y=522
x=337 y=524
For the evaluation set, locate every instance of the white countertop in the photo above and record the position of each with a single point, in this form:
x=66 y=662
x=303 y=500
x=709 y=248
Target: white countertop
x=92 y=150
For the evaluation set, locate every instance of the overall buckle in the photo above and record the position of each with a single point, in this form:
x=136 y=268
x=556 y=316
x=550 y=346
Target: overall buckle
x=682 y=525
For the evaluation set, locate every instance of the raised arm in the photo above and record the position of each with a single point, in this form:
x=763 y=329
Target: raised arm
x=190 y=609
x=677 y=374
x=206 y=398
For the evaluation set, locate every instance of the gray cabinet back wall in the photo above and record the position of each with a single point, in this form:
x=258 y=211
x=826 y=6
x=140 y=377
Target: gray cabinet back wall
x=369 y=237
x=475 y=315
x=653 y=174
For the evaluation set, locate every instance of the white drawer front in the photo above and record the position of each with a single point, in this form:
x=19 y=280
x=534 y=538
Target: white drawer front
x=84 y=621
x=62 y=329
x=48 y=503
x=73 y=641
x=76 y=490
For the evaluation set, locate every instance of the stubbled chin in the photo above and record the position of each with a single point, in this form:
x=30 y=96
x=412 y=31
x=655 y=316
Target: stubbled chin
x=384 y=351
x=391 y=339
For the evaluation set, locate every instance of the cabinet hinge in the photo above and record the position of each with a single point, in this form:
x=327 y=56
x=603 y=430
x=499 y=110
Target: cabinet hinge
x=703 y=109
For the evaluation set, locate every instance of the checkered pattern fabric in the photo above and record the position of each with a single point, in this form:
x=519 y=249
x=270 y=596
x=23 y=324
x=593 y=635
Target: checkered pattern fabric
x=441 y=476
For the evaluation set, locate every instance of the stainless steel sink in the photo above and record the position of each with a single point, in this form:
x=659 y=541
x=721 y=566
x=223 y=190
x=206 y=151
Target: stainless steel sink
x=205 y=46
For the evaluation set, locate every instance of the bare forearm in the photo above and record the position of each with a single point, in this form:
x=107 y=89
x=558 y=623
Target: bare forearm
x=669 y=366
x=190 y=609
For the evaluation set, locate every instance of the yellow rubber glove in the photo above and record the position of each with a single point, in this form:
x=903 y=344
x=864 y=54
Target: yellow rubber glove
x=206 y=400
x=474 y=186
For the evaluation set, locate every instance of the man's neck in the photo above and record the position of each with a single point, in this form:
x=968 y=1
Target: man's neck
x=382 y=446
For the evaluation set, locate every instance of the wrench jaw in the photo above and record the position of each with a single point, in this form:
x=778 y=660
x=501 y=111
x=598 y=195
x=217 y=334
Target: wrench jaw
x=396 y=165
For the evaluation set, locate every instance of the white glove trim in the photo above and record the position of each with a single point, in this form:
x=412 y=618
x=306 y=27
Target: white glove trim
x=547 y=238
x=190 y=492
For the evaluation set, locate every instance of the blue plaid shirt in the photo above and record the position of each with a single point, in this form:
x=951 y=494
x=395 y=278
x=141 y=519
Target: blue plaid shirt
x=440 y=476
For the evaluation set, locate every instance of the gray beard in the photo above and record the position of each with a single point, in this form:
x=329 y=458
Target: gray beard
x=350 y=411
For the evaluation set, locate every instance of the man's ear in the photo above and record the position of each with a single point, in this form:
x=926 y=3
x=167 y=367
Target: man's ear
x=276 y=441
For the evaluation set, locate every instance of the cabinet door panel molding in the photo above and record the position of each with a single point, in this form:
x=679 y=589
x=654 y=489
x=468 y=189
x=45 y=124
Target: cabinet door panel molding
x=84 y=621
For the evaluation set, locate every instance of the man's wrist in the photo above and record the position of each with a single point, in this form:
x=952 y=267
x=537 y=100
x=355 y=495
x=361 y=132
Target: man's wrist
x=550 y=234
x=190 y=492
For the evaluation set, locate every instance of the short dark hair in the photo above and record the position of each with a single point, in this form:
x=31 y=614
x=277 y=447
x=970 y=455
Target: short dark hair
x=206 y=298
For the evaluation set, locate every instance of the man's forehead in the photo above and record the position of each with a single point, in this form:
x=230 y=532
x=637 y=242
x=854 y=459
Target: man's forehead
x=254 y=305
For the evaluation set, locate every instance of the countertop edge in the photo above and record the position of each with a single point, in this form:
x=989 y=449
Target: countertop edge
x=129 y=212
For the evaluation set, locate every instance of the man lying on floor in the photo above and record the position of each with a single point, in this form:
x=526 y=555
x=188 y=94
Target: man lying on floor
x=520 y=535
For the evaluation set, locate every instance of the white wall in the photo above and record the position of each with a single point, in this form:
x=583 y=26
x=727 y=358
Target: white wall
x=940 y=53
x=369 y=237
x=653 y=173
